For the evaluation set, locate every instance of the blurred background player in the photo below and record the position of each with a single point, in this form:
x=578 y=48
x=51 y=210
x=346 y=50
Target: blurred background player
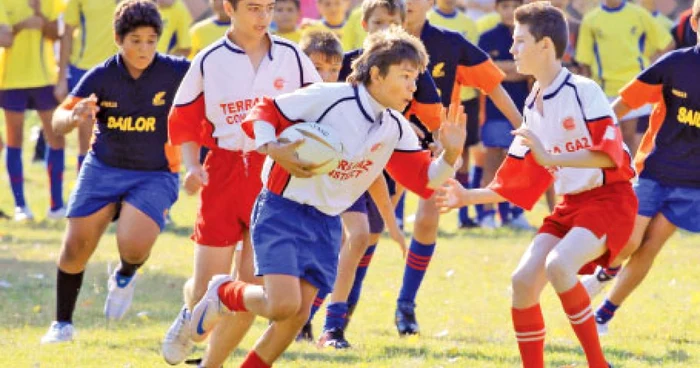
x=325 y=51
x=610 y=49
x=225 y=81
x=286 y=19
x=495 y=133
x=334 y=15
x=175 y=39
x=682 y=31
x=27 y=82
x=83 y=45
x=569 y=137
x=6 y=38
x=669 y=174
x=130 y=173
x=207 y=31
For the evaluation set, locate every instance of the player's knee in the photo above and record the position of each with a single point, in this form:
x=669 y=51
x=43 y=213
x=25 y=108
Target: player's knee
x=557 y=268
x=426 y=221
x=521 y=281
x=359 y=238
x=74 y=255
x=134 y=256
x=283 y=309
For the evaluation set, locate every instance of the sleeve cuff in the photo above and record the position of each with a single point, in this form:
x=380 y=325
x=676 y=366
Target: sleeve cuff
x=264 y=133
x=438 y=172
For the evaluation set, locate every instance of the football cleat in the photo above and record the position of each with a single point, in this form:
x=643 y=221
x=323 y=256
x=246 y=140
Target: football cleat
x=306 y=333
x=206 y=314
x=58 y=332
x=334 y=338
x=177 y=344
x=405 y=321
x=121 y=293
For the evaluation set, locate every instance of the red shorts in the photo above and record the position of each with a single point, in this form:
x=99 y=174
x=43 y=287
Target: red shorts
x=609 y=211
x=226 y=202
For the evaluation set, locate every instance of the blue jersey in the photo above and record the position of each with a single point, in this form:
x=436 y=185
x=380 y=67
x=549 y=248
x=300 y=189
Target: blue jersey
x=670 y=148
x=496 y=43
x=131 y=131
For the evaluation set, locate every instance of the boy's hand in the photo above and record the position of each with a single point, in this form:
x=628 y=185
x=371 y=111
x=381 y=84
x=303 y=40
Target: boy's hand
x=195 y=178
x=85 y=111
x=453 y=132
x=450 y=196
x=285 y=155
x=531 y=141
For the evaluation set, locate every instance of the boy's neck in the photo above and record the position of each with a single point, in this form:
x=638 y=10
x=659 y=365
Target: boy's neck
x=334 y=22
x=446 y=10
x=548 y=74
x=286 y=30
x=417 y=28
x=246 y=43
x=222 y=18
x=613 y=3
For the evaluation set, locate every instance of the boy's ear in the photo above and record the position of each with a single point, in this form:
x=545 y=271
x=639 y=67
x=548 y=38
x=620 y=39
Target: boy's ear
x=374 y=74
x=118 y=40
x=694 y=23
x=364 y=25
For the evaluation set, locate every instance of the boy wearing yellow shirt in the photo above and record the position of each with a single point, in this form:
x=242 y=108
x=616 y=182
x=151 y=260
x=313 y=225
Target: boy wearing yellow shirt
x=5 y=32
x=610 y=48
x=333 y=18
x=205 y=32
x=286 y=18
x=28 y=74
x=176 y=28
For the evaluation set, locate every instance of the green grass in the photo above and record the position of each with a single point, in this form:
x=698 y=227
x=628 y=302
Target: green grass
x=463 y=305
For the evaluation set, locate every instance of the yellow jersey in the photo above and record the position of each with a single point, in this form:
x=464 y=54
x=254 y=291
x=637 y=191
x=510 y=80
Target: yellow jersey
x=488 y=22
x=458 y=22
x=354 y=35
x=92 y=39
x=205 y=32
x=176 y=28
x=293 y=36
x=612 y=42
x=30 y=62
x=339 y=31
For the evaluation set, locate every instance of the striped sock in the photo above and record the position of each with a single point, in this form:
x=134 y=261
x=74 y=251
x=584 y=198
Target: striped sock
x=360 y=274
x=417 y=262
x=605 y=312
x=16 y=172
x=253 y=360
x=336 y=316
x=55 y=164
x=530 y=332
x=577 y=306
x=320 y=298
x=231 y=295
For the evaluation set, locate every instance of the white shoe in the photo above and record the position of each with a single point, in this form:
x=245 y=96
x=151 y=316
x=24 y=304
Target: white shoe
x=23 y=214
x=209 y=310
x=121 y=292
x=488 y=222
x=596 y=282
x=57 y=214
x=520 y=223
x=602 y=328
x=177 y=344
x=58 y=332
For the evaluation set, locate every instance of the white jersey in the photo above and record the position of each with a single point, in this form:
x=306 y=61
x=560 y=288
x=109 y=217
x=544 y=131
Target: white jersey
x=577 y=116
x=372 y=136
x=221 y=86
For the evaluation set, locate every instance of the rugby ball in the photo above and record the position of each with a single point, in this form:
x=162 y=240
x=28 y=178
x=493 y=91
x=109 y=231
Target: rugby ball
x=322 y=146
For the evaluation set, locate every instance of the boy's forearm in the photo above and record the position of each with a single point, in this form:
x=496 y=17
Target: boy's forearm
x=190 y=154
x=582 y=159
x=66 y=47
x=481 y=196
x=620 y=107
x=505 y=104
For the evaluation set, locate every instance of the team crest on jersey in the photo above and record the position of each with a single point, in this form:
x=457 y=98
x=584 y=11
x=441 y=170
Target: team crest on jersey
x=159 y=99
x=569 y=123
x=438 y=71
x=278 y=83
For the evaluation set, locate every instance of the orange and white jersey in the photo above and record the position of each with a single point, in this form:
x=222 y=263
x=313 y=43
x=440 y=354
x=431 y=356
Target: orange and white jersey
x=577 y=116
x=373 y=137
x=222 y=85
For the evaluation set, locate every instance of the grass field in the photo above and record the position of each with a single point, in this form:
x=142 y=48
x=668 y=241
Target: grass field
x=463 y=306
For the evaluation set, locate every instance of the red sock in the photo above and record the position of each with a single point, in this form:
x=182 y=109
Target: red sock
x=577 y=305
x=231 y=294
x=253 y=360
x=530 y=331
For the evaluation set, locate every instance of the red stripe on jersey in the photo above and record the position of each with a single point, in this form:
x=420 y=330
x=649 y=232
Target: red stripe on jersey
x=485 y=76
x=607 y=138
x=427 y=113
x=410 y=169
x=521 y=180
x=265 y=110
x=188 y=123
x=278 y=179
x=637 y=93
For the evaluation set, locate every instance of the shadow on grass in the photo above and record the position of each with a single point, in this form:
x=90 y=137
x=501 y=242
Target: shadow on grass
x=615 y=354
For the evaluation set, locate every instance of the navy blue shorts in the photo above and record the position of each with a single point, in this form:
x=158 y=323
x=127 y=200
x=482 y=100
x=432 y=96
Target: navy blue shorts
x=74 y=76
x=19 y=100
x=366 y=205
x=151 y=192
x=680 y=205
x=496 y=134
x=290 y=238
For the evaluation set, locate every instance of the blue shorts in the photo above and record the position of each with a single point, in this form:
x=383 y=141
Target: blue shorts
x=291 y=238
x=680 y=205
x=366 y=205
x=19 y=100
x=496 y=134
x=74 y=76
x=151 y=192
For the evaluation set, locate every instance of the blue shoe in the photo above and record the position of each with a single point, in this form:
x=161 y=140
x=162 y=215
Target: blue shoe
x=405 y=320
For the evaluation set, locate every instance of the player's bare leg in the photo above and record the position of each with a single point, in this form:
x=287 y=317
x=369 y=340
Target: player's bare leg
x=55 y=164
x=492 y=161
x=629 y=134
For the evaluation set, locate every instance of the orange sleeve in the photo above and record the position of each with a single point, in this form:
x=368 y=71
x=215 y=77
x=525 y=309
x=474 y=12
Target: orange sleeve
x=410 y=169
x=427 y=113
x=637 y=93
x=70 y=102
x=265 y=110
x=521 y=181
x=485 y=76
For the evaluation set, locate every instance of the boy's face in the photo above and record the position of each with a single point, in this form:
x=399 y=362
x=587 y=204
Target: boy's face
x=395 y=89
x=381 y=19
x=217 y=7
x=251 y=17
x=527 y=53
x=506 y=9
x=333 y=11
x=139 y=47
x=416 y=10
x=286 y=16
x=327 y=67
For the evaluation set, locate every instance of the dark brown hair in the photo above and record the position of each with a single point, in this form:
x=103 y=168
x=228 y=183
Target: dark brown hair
x=323 y=42
x=393 y=6
x=544 y=20
x=132 y=14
